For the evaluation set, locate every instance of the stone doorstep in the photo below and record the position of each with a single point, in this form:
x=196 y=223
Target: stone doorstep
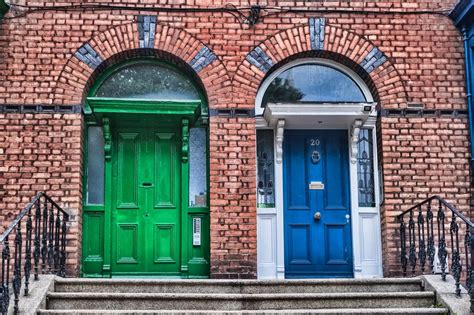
x=245 y=286
x=36 y=298
x=445 y=295
x=372 y=311
x=338 y=281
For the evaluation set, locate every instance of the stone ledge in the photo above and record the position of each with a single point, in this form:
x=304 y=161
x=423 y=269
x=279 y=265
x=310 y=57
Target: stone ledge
x=36 y=300
x=445 y=293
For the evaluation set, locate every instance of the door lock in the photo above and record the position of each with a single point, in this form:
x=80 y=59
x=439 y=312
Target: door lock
x=317 y=216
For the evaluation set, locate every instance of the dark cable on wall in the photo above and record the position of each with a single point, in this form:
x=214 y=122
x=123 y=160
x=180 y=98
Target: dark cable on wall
x=245 y=15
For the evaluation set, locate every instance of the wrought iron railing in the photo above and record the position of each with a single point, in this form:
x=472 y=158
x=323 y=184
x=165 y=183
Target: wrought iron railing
x=38 y=236
x=433 y=235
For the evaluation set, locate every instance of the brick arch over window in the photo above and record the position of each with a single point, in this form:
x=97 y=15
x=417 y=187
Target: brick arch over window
x=354 y=51
x=143 y=54
x=104 y=48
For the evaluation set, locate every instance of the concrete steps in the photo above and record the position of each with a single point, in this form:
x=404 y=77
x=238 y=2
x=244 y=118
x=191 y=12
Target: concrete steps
x=322 y=296
x=371 y=311
x=238 y=286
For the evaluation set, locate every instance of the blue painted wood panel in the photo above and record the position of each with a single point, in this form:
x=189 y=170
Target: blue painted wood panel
x=317 y=248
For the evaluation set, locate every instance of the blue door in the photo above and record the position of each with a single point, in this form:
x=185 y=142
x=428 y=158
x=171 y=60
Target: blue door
x=317 y=204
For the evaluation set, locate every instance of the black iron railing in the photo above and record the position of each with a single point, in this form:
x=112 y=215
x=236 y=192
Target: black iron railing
x=34 y=242
x=435 y=237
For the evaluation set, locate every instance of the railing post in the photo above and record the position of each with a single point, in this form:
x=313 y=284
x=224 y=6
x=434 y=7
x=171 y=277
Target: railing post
x=430 y=233
x=412 y=243
x=471 y=269
x=17 y=267
x=37 y=242
x=442 y=252
x=5 y=275
x=456 y=266
x=403 y=245
x=29 y=231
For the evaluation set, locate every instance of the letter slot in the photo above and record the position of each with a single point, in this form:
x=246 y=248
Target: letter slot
x=316 y=186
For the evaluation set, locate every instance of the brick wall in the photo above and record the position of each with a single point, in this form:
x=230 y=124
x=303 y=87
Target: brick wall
x=421 y=157
x=423 y=63
x=42 y=152
x=233 y=197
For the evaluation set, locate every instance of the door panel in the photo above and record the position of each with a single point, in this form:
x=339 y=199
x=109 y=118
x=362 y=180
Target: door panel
x=335 y=244
x=164 y=209
x=127 y=168
x=300 y=244
x=163 y=239
x=165 y=193
x=335 y=167
x=146 y=218
x=298 y=198
x=127 y=237
x=316 y=182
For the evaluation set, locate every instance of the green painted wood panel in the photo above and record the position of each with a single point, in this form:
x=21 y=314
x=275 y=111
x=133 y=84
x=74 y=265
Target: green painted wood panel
x=146 y=217
x=164 y=238
x=128 y=157
x=145 y=226
x=93 y=240
x=166 y=172
x=127 y=243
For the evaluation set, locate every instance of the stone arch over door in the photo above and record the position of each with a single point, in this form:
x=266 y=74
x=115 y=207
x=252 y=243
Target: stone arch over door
x=94 y=53
x=326 y=41
x=124 y=41
x=317 y=39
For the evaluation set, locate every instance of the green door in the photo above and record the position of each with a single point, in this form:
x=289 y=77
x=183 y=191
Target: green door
x=145 y=202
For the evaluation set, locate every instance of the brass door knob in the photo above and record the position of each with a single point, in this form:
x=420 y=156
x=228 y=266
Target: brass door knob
x=317 y=216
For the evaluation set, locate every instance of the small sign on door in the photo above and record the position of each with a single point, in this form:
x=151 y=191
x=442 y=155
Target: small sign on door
x=196 y=231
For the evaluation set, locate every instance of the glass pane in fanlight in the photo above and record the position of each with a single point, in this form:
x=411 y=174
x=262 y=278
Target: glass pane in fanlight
x=312 y=83
x=148 y=81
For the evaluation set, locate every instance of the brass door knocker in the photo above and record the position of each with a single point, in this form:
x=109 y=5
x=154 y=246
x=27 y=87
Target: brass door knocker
x=315 y=157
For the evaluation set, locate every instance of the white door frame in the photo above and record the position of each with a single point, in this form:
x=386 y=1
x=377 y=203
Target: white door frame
x=366 y=224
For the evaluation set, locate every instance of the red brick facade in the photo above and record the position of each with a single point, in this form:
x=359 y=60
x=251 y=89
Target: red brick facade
x=420 y=156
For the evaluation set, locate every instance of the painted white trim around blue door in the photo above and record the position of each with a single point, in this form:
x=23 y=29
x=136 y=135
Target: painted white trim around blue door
x=366 y=224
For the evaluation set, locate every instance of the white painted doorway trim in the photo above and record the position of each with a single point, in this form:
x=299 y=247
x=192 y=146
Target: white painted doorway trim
x=366 y=225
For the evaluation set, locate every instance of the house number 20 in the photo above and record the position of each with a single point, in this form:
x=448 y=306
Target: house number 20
x=314 y=142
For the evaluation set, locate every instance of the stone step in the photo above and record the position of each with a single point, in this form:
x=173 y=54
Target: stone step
x=372 y=311
x=224 y=302
x=238 y=286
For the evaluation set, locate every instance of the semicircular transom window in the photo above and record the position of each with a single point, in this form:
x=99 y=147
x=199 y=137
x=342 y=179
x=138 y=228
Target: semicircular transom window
x=313 y=83
x=148 y=81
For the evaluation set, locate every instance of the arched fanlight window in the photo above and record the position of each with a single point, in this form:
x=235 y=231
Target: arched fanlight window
x=150 y=81
x=146 y=91
x=313 y=83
